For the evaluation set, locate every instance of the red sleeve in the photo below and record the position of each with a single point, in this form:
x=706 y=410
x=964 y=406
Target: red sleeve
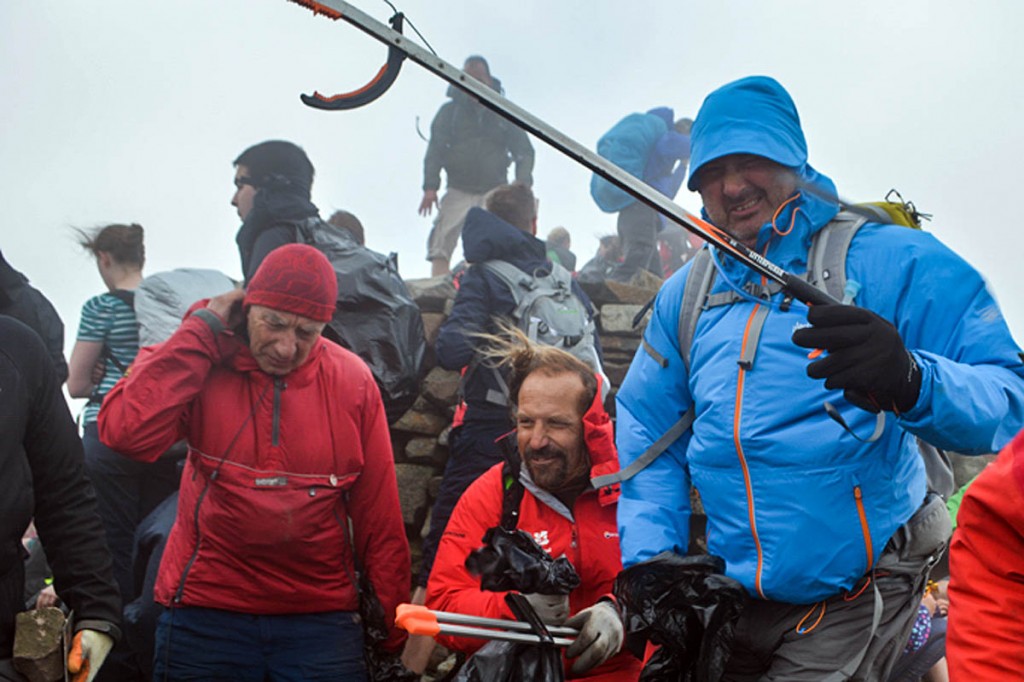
x=377 y=516
x=451 y=587
x=144 y=414
x=986 y=589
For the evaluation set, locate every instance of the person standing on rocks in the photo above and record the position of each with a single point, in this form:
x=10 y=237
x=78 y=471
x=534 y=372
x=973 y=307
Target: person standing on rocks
x=474 y=147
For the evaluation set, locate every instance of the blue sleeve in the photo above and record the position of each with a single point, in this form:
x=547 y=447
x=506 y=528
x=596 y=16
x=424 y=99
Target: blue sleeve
x=654 y=507
x=666 y=167
x=471 y=314
x=972 y=387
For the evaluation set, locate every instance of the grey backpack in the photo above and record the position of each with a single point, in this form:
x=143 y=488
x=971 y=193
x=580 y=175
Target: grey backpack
x=549 y=312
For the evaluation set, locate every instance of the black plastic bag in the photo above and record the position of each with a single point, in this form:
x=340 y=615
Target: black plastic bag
x=512 y=662
x=512 y=560
x=689 y=607
x=375 y=316
x=381 y=666
x=515 y=662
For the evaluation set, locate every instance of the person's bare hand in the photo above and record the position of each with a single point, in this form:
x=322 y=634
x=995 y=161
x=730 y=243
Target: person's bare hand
x=928 y=601
x=98 y=370
x=228 y=307
x=429 y=201
x=942 y=597
x=47 y=597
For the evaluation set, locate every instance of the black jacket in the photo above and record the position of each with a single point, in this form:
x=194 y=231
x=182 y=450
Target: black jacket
x=25 y=303
x=42 y=475
x=271 y=223
x=474 y=146
x=483 y=300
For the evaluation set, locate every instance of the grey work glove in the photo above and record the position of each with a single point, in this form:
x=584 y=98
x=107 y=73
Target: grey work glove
x=553 y=609
x=88 y=651
x=600 y=637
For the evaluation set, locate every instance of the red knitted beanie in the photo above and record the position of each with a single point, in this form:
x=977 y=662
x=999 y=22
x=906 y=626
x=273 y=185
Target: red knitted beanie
x=295 y=278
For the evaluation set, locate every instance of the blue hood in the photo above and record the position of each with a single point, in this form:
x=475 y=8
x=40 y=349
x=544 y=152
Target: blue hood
x=754 y=115
x=665 y=114
x=485 y=236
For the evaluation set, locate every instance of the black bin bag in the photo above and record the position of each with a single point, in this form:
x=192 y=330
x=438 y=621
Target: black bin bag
x=514 y=662
x=512 y=560
x=375 y=316
x=688 y=607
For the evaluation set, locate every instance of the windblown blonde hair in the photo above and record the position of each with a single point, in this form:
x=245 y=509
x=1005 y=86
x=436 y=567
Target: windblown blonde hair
x=513 y=349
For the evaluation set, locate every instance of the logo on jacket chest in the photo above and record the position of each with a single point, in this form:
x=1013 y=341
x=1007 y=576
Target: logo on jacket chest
x=541 y=538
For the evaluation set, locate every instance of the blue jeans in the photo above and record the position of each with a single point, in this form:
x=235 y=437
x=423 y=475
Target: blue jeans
x=195 y=643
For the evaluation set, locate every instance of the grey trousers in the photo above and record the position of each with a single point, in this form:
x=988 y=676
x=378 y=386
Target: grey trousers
x=778 y=641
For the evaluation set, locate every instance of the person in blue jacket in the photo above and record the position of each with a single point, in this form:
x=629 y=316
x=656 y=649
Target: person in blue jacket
x=664 y=169
x=832 y=534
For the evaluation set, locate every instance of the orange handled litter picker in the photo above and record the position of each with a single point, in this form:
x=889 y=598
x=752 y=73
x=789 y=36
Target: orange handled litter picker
x=419 y=620
x=399 y=45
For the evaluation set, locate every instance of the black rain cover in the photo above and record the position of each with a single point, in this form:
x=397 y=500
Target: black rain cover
x=512 y=560
x=689 y=607
x=375 y=316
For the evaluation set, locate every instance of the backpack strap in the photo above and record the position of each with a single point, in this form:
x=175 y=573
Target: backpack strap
x=695 y=295
x=649 y=455
x=126 y=296
x=826 y=259
x=512 y=489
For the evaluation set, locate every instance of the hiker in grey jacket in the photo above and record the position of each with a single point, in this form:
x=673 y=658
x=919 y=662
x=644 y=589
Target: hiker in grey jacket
x=474 y=147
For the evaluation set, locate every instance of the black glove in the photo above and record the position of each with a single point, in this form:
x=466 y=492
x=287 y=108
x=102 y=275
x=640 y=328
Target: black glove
x=865 y=357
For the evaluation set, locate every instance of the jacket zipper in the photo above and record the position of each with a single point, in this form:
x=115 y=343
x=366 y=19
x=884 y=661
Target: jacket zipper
x=738 y=411
x=865 y=529
x=195 y=552
x=279 y=386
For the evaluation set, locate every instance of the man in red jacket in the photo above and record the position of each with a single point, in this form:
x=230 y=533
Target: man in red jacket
x=288 y=487
x=986 y=582
x=564 y=439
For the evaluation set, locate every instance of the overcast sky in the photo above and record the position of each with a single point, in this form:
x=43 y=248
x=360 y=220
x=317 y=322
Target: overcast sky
x=127 y=111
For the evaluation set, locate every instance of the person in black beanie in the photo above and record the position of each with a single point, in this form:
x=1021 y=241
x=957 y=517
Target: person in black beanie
x=273 y=180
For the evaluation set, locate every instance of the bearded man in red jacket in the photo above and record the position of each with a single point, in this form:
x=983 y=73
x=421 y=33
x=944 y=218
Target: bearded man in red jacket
x=564 y=438
x=288 y=487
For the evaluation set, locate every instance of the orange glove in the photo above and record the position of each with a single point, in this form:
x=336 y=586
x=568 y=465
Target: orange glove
x=88 y=651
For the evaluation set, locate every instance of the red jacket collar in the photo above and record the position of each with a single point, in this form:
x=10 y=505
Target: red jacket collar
x=599 y=437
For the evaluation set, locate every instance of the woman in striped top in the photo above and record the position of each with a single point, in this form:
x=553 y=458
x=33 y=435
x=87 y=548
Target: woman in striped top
x=107 y=342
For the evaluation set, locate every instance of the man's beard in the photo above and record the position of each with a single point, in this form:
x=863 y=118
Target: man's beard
x=548 y=466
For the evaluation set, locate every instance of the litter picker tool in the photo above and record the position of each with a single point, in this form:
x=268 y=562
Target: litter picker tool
x=419 y=620
x=400 y=47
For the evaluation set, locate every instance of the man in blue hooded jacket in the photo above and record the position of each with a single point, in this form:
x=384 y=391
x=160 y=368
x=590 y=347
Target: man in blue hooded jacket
x=832 y=535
